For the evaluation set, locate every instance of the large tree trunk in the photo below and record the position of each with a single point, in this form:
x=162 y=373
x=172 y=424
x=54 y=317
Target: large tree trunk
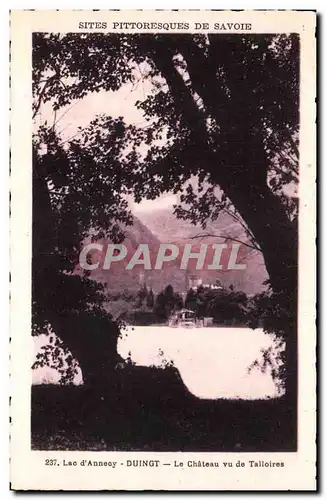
x=239 y=166
x=90 y=336
x=277 y=238
x=92 y=340
x=273 y=231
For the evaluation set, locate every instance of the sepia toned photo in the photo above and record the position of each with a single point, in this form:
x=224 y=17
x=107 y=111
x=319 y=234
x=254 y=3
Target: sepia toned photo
x=167 y=190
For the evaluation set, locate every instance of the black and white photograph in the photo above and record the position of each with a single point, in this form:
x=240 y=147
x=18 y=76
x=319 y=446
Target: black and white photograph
x=167 y=196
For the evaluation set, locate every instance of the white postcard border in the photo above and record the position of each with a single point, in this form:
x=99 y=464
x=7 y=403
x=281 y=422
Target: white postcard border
x=28 y=470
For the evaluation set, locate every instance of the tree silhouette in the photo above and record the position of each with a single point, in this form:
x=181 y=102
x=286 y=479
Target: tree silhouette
x=191 y=300
x=150 y=299
x=142 y=295
x=65 y=212
x=224 y=108
x=166 y=302
x=225 y=306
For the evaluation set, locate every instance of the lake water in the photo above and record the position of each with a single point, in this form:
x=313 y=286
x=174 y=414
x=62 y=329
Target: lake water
x=213 y=362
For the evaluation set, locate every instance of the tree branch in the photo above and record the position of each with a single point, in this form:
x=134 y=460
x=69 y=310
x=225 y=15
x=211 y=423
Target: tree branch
x=225 y=237
x=38 y=105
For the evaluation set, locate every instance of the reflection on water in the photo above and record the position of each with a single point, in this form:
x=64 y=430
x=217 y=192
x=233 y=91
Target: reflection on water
x=213 y=362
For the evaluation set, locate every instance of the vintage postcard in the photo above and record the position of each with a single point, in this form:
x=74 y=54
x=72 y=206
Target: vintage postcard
x=163 y=168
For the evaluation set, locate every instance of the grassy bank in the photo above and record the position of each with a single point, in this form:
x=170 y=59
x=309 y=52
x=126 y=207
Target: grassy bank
x=148 y=409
